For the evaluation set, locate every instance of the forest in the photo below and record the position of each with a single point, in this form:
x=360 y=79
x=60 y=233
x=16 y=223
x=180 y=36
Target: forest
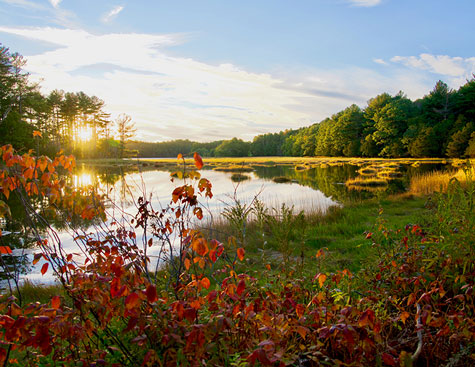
x=441 y=124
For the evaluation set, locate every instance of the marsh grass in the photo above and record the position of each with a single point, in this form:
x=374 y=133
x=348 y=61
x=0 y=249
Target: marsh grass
x=288 y=243
x=33 y=292
x=366 y=182
x=238 y=177
x=439 y=181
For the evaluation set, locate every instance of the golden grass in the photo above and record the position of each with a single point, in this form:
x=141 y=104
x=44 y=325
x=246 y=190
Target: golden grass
x=364 y=182
x=438 y=181
x=297 y=160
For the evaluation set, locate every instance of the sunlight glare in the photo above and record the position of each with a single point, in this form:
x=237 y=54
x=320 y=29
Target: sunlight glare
x=84 y=134
x=82 y=180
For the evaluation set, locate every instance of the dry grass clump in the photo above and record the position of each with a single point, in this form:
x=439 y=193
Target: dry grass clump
x=301 y=167
x=389 y=174
x=438 y=181
x=362 y=183
x=281 y=179
x=238 y=177
x=368 y=171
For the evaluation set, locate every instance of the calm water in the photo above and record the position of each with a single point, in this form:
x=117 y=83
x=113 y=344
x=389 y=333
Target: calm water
x=315 y=188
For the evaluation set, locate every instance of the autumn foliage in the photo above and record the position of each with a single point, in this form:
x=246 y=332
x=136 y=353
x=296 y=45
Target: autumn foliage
x=415 y=307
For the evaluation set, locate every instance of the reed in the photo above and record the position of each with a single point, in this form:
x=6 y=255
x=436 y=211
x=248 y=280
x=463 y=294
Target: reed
x=438 y=181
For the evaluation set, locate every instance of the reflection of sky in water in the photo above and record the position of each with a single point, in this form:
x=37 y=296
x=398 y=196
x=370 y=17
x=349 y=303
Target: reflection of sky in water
x=159 y=185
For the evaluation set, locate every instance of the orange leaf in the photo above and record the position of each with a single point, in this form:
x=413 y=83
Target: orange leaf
x=200 y=247
x=44 y=268
x=300 y=310
x=303 y=331
x=180 y=156
x=198 y=212
x=404 y=316
x=198 y=161
x=132 y=301
x=187 y=264
x=37 y=133
x=321 y=279
x=205 y=283
x=55 y=302
x=240 y=253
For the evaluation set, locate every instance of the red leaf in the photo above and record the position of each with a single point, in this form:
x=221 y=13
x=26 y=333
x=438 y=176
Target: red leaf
x=5 y=250
x=240 y=253
x=44 y=268
x=198 y=212
x=151 y=293
x=240 y=287
x=389 y=359
x=55 y=302
x=198 y=161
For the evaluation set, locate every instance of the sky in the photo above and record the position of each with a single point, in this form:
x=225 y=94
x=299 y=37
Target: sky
x=216 y=69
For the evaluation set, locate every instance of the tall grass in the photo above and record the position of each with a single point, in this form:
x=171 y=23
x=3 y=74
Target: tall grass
x=438 y=181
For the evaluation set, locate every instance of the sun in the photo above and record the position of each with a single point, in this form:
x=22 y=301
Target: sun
x=84 y=134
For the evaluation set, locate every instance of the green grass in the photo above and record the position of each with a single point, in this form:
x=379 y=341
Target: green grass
x=342 y=230
x=32 y=292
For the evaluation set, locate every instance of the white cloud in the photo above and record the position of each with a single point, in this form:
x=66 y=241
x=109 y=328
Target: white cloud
x=365 y=3
x=439 y=64
x=380 y=61
x=112 y=14
x=55 y=3
x=173 y=97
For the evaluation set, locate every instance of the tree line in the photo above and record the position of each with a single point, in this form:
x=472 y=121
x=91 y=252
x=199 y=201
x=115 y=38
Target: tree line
x=73 y=122
x=440 y=124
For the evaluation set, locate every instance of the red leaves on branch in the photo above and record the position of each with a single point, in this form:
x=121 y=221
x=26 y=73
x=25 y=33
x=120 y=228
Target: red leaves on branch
x=44 y=268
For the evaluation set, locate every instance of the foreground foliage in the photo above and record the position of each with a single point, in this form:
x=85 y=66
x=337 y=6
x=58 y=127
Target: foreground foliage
x=414 y=306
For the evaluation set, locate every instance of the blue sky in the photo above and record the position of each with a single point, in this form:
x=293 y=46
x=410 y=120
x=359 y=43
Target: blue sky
x=209 y=70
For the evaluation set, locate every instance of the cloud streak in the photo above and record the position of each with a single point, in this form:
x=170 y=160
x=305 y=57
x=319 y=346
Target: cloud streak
x=112 y=14
x=365 y=3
